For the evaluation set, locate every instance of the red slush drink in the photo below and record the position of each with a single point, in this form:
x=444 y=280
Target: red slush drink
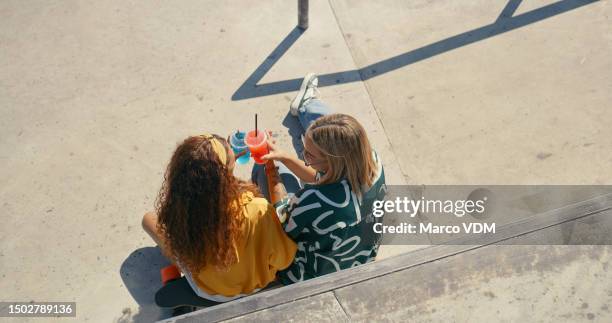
x=258 y=145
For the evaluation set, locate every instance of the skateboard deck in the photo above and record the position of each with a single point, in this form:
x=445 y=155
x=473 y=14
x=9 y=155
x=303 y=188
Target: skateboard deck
x=178 y=293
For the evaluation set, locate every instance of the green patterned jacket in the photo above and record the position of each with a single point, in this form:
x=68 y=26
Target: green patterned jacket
x=332 y=228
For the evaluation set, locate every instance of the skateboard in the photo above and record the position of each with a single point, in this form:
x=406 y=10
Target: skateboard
x=177 y=294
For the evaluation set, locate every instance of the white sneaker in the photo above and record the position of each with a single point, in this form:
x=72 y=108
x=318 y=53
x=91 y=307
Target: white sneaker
x=307 y=92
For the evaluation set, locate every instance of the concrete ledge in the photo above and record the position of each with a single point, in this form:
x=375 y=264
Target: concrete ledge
x=279 y=296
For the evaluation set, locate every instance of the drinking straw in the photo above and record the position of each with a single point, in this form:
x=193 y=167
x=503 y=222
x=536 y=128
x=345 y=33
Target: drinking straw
x=255 y=124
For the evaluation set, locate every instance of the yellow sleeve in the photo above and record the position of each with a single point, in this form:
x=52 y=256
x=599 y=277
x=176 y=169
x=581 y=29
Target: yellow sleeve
x=281 y=249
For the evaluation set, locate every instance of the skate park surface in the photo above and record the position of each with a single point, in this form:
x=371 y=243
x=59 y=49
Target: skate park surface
x=96 y=95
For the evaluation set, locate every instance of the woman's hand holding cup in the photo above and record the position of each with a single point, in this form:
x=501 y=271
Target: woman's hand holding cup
x=274 y=153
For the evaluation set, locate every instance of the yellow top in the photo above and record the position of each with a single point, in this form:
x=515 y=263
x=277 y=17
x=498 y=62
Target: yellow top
x=265 y=250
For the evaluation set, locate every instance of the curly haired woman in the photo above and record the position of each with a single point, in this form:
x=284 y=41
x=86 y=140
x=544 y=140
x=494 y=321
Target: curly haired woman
x=226 y=239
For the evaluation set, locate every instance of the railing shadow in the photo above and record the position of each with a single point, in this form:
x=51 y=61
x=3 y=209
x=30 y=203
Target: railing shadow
x=250 y=89
x=504 y=23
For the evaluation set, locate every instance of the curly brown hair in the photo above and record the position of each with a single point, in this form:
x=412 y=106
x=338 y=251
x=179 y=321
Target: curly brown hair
x=198 y=206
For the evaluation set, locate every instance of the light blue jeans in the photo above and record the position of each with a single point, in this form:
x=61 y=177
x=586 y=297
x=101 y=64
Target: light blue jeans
x=307 y=114
x=311 y=111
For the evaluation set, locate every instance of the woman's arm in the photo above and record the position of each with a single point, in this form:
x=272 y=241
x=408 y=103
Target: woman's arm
x=276 y=187
x=303 y=172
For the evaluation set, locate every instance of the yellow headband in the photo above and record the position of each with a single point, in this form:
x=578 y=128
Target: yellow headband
x=217 y=147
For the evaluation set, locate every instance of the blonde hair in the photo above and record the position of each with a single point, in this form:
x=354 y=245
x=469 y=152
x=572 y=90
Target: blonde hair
x=347 y=149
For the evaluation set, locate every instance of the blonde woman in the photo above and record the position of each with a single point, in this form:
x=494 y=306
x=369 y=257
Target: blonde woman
x=330 y=218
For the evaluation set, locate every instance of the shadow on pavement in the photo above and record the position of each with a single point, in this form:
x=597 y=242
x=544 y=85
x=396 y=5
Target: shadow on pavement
x=250 y=89
x=505 y=22
x=140 y=275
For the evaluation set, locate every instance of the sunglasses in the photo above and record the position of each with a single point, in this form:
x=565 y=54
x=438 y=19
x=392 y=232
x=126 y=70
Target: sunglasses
x=308 y=157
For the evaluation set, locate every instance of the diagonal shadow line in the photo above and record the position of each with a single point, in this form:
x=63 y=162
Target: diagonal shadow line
x=263 y=68
x=500 y=26
x=509 y=10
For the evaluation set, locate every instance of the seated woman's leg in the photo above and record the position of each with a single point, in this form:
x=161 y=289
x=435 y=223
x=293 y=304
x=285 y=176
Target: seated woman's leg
x=291 y=182
x=149 y=224
x=311 y=110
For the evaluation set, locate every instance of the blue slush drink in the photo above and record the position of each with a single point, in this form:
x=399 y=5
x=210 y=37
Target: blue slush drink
x=238 y=145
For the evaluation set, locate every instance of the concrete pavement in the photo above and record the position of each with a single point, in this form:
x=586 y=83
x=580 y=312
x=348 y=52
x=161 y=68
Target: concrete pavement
x=95 y=95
